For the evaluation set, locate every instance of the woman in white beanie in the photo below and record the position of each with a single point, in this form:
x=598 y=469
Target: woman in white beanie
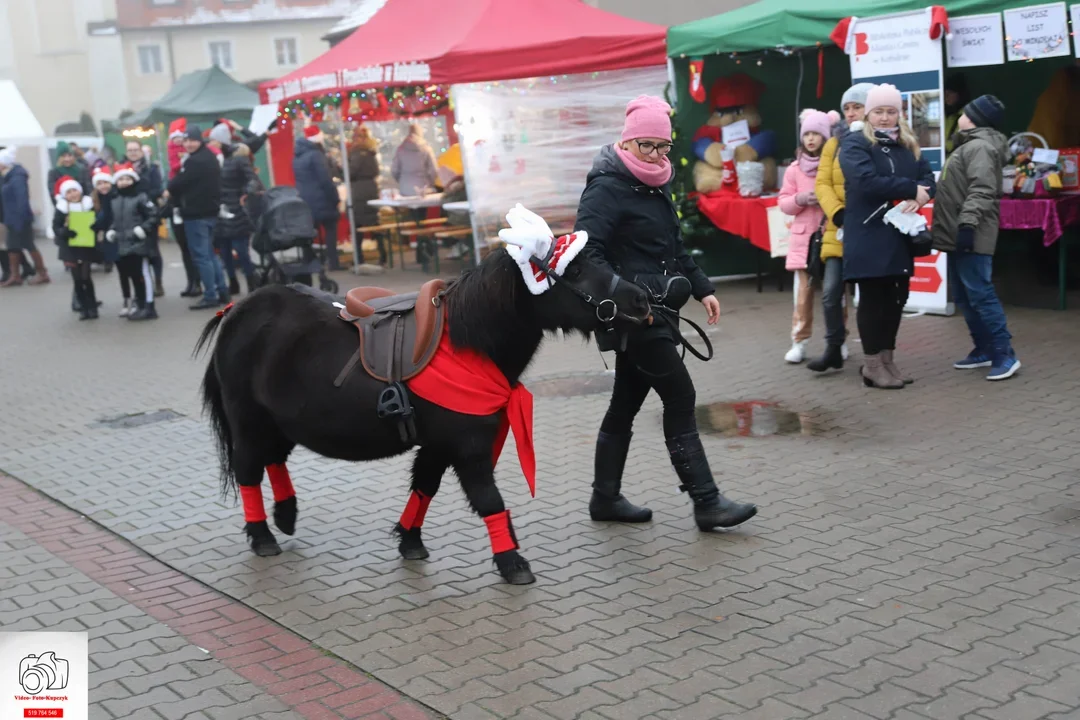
x=882 y=167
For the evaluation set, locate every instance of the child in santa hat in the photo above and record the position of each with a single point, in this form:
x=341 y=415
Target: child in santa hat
x=134 y=218
x=72 y=229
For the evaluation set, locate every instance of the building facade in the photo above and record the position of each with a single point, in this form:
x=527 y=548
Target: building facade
x=252 y=40
x=669 y=13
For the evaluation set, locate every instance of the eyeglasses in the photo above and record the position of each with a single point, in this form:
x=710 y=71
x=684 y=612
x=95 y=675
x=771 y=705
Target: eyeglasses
x=647 y=148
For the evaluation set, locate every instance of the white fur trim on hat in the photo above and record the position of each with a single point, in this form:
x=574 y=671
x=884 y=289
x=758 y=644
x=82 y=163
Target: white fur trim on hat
x=529 y=236
x=69 y=184
x=85 y=205
x=102 y=175
x=126 y=172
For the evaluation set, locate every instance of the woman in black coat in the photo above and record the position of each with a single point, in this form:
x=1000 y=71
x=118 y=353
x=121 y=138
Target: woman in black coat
x=233 y=234
x=633 y=227
x=882 y=167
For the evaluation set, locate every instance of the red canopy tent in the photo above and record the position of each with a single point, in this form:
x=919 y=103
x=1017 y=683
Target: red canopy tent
x=411 y=42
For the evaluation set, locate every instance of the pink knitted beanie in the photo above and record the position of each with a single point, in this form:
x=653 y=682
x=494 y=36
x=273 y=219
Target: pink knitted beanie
x=647 y=116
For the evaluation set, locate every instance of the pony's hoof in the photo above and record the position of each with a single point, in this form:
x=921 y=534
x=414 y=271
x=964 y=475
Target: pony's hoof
x=285 y=515
x=262 y=540
x=514 y=568
x=411 y=545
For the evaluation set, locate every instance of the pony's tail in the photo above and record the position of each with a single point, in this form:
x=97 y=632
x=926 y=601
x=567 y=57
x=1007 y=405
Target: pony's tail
x=214 y=406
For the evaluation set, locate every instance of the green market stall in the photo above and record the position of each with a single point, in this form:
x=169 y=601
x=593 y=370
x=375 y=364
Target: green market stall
x=787 y=46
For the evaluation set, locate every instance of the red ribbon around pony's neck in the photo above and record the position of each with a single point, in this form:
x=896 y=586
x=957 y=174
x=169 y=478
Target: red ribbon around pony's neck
x=467 y=382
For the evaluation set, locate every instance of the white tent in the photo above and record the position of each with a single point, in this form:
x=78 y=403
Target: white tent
x=20 y=128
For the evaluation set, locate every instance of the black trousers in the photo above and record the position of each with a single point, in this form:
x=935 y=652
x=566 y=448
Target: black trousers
x=135 y=270
x=881 y=305
x=329 y=229
x=84 y=285
x=652 y=365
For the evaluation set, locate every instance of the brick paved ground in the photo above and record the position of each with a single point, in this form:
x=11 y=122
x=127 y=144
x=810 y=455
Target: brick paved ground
x=917 y=553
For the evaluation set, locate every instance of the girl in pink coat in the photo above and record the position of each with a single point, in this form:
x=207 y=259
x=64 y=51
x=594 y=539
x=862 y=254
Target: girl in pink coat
x=797 y=198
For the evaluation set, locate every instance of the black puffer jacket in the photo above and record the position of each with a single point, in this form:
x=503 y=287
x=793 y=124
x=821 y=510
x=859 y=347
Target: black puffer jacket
x=130 y=211
x=634 y=228
x=238 y=179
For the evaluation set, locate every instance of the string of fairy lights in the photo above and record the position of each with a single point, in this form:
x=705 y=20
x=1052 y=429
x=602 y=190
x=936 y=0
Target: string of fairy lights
x=370 y=103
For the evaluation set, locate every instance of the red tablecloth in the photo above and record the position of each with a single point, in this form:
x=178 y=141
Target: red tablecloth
x=1051 y=215
x=742 y=216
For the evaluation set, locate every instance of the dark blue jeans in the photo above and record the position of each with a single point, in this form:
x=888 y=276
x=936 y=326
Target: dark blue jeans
x=200 y=237
x=239 y=245
x=833 y=290
x=974 y=294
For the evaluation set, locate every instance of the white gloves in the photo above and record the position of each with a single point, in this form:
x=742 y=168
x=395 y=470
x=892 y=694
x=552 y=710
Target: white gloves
x=139 y=232
x=110 y=236
x=49 y=233
x=177 y=218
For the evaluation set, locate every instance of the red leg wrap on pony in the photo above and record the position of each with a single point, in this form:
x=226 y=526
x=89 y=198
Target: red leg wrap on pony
x=253 y=503
x=501 y=532
x=280 y=482
x=415 y=510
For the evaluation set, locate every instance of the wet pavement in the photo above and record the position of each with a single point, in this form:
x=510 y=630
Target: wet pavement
x=916 y=555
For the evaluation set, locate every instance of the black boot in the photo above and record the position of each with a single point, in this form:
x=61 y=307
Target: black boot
x=91 y=296
x=711 y=509
x=193 y=289
x=234 y=286
x=607 y=502
x=252 y=285
x=833 y=358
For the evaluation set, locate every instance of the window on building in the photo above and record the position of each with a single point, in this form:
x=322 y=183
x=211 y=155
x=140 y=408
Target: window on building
x=164 y=2
x=285 y=50
x=221 y=54
x=150 y=60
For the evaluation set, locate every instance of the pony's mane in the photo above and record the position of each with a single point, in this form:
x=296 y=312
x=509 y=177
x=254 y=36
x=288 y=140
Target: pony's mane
x=488 y=311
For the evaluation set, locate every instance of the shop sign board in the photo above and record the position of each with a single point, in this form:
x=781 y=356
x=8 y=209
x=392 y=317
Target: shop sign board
x=1038 y=31
x=976 y=40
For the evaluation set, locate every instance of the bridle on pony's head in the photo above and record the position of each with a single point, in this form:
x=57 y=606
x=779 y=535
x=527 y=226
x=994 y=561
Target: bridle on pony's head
x=607 y=310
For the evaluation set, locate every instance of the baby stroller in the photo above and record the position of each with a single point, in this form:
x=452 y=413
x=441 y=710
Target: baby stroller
x=283 y=239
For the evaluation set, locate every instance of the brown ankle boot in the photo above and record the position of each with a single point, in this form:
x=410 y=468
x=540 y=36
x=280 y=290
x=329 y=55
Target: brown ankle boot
x=15 y=279
x=890 y=366
x=41 y=275
x=875 y=375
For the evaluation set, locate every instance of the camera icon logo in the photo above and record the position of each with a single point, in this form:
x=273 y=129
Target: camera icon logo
x=38 y=673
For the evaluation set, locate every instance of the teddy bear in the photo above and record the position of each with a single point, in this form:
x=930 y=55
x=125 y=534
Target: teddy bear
x=732 y=98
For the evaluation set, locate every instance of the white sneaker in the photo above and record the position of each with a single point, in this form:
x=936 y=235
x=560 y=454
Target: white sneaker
x=126 y=309
x=797 y=353
x=844 y=351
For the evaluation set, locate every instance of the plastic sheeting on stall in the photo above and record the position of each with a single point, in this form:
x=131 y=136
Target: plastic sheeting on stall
x=533 y=141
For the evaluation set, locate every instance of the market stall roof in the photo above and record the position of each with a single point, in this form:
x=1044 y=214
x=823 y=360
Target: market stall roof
x=18 y=125
x=203 y=93
x=409 y=42
x=797 y=23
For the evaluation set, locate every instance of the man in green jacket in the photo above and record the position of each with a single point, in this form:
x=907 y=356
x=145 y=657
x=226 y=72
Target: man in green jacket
x=966 y=220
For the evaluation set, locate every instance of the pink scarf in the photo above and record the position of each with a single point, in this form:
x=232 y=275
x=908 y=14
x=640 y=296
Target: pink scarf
x=893 y=132
x=809 y=163
x=652 y=174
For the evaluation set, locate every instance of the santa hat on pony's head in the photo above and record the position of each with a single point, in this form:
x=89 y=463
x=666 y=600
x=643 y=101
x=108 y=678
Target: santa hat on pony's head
x=64 y=184
x=178 y=128
x=125 y=170
x=529 y=238
x=102 y=174
x=845 y=39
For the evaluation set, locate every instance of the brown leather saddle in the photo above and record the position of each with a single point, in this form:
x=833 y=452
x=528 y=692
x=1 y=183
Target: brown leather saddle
x=399 y=335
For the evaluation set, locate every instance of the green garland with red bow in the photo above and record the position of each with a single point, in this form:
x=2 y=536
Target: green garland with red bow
x=371 y=103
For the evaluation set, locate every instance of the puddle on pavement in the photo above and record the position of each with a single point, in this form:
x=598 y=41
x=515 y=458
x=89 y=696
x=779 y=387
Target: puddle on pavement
x=752 y=418
x=573 y=385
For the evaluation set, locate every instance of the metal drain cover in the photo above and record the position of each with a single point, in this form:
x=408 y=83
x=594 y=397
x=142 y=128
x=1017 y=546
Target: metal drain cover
x=573 y=385
x=134 y=420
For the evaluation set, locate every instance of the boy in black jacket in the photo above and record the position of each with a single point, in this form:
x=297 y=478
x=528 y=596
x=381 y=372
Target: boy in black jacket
x=134 y=218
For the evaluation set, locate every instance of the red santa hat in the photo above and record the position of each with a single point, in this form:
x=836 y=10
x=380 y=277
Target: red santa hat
x=178 y=128
x=125 y=170
x=64 y=184
x=734 y=91
x=313 y=133
x=102 y=174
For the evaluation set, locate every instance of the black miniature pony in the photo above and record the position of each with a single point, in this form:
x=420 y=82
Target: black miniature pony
x=270 y=387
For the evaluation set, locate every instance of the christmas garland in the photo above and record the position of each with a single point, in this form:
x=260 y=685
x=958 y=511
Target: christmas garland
x=371 y=103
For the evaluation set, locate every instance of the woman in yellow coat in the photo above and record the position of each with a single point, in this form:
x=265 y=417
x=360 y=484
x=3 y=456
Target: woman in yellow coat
x=830 y=194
